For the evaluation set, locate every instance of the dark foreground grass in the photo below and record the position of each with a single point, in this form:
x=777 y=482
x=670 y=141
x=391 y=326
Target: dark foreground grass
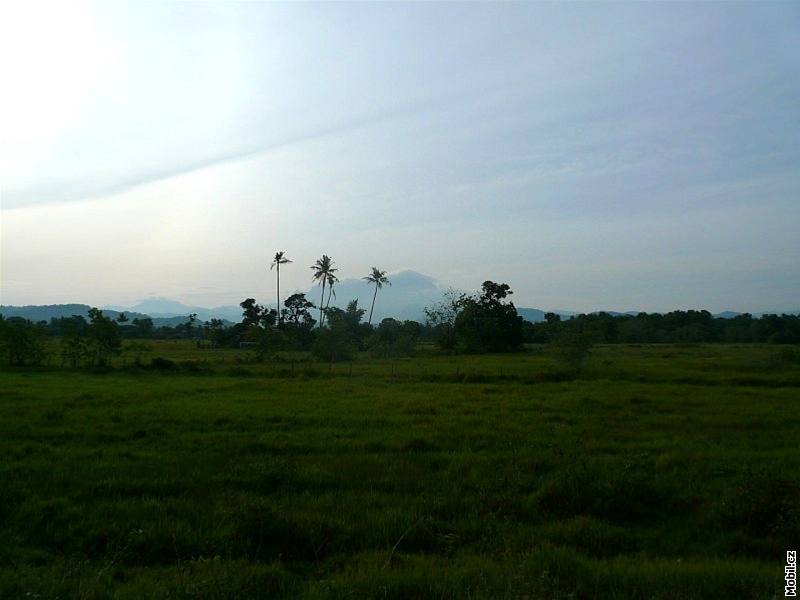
x=663 y=472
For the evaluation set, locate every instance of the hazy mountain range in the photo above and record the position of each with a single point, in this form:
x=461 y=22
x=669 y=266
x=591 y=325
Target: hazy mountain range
x=410 y=292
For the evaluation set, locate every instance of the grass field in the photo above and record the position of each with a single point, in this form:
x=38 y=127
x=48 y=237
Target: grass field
x=660 y=472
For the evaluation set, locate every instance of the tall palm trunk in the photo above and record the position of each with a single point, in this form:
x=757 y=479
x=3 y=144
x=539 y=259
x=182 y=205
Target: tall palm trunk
x=321 y=302
x=375 y=295
x=328 y=303
x=278 y=294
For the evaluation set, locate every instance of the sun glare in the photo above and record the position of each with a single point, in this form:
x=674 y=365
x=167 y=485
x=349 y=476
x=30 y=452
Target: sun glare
x=51 y=56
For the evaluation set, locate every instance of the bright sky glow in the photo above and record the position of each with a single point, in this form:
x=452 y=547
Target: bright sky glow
x=594 y=156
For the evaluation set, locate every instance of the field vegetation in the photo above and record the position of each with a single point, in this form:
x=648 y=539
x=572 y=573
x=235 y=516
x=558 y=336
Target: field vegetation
x=651 y=471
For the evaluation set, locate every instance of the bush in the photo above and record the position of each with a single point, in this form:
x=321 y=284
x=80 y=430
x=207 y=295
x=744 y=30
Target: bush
x=239 y=372
x=194 y=366
x=21 y=342
x=104 y=340
x=333 y=345
x=160 y=363
x=268 y=342
x=391 y=340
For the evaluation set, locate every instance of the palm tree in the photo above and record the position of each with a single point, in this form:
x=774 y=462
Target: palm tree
x=377 y=277
x=280 y=259
x=332 y=279
x=323 y=271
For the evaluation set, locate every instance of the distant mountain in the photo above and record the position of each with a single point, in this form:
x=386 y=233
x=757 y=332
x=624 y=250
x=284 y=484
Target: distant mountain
x=405 y=299
x=166 y=308
x=727 y=314
x=57 y=311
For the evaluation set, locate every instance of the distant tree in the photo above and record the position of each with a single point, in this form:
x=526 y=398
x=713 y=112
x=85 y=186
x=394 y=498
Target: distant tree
x=21 y=342
x=332 y=281
x=379 y=278
x=188 y=325
x=144 y=327
x=103 y=337
x=122 y=318
x=551 y=318
x=343 y=335
x=440 y=317
x=489 y=322
x=251 y=312
x=279 y=259
x=353 y=315
x=214 y=330
x=255 y=315
x=67 y=325
x=412 y=329
x=298 y=309
x=73 y=343
x=689 y=326
x=393 y=339
x=268 y=341
x=298 y=322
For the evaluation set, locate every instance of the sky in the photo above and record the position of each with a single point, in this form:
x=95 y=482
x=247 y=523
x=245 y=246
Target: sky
x=639 y=156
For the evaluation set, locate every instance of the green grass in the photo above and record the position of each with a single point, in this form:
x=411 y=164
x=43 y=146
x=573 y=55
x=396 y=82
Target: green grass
x=661 y=472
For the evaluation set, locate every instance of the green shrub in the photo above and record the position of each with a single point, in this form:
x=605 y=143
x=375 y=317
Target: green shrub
x=21 y=342
x=333 y=345
x=159 y=363
x=239 y=372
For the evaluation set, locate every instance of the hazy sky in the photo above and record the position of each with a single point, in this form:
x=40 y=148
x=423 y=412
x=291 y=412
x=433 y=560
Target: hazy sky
x=617 y=156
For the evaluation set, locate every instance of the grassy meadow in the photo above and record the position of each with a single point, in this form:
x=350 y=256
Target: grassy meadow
x=659 y=471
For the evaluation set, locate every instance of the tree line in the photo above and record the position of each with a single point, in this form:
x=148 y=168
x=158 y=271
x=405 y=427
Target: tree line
x=680 y=326
x=486 y=321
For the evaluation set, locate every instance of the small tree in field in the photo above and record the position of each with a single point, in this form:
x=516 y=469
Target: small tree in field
x=21 y=342
x=73 y=343
x=341 y=339
x=298 y=323
x=103 y=337
x=255 y=315
x=441 y=317
x=489 y=322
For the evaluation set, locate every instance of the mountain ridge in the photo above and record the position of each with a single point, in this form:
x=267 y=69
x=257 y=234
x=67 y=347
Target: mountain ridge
x=405 y=299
